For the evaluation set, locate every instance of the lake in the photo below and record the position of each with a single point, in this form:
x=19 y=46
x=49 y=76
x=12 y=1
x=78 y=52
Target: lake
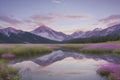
x=63 y=65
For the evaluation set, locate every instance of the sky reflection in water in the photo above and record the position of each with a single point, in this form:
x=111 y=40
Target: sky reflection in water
x=64 y=68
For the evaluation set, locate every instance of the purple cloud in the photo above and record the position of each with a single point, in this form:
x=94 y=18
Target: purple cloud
x=55 y=17
x=9 y=20
x=111 y=20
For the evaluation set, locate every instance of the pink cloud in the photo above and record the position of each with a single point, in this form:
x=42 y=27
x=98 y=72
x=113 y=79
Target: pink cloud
x=56 y=17
x=9 y=20
x=106 y=22
x=111 y=20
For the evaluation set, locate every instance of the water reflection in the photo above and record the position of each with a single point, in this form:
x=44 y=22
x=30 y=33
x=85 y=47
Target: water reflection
x=62 y=65
x=59 y=55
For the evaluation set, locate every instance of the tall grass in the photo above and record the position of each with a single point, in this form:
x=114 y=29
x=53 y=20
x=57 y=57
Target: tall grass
x=82 y=49
x=26 y=51
x=107 y=74
x=8 y=73
x=96 y=51
x=117 y=51
x=71 y=47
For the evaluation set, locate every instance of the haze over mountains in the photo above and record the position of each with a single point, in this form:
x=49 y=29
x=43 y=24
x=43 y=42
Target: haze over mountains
x=44 y=34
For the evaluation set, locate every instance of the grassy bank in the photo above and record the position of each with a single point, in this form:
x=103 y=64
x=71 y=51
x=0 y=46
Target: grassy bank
x=21 y=52
x=116 y=42
x=71 y=47
x=90 y=50
x=106 y=73
x=8 y=73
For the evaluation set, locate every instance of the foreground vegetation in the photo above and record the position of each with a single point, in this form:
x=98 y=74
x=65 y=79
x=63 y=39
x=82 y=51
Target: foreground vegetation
x=112 y=72
x=8 y=73
x=71 y=47
x=25 y=52
x=115 y=42
x=34 y=51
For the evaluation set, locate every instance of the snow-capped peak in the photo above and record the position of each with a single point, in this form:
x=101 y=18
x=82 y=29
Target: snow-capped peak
x=49 y=33
x=7 y=31
x=42 y=28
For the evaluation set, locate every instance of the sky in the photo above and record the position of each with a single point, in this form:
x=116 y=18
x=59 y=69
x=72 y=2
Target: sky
x=66 y=16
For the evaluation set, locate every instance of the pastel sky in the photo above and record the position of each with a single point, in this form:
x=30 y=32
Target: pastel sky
x=61 y=15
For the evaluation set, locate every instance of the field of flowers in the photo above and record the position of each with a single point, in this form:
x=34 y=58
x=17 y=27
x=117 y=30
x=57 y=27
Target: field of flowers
x=111 y=71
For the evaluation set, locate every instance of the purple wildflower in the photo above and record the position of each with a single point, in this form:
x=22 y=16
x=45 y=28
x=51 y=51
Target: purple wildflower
x=1 y=78
x=113 y=69
x=103 y=46
x=7 y=55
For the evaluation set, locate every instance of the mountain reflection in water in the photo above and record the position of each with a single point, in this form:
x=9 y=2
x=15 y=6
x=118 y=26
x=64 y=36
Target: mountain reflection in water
x=64 y=65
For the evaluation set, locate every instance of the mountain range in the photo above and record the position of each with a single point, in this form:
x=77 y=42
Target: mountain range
x=49 y=33
x=44 y=34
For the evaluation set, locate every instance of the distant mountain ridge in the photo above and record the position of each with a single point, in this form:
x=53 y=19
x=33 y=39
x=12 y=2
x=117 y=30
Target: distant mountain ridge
x=9 y=30
x=11 y=35
x=81 y=34
x=49 y=33
x=109 y=34
x=44 y=34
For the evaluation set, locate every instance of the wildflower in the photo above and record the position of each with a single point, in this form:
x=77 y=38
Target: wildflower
x=7 y=55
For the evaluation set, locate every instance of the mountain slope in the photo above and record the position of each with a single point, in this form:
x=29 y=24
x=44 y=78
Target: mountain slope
x=113 y=30
x=14 y=36
x=49 y=33
x=81 y=34
x=109 y=34
x=96 y=32
x=45 y=34
x=9 y=30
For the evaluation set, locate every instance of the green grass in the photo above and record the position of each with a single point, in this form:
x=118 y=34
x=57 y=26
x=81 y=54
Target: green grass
x=96 y=51
x=117 y=51
x=116 y=42
x=106 y=73
x=71 y=47
x=21 y=52
x=8 y=73
x=111 y=78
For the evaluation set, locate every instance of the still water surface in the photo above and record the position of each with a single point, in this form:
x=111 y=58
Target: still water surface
x=64 y=65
